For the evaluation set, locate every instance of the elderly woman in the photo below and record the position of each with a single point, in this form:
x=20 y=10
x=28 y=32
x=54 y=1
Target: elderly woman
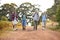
x=14 y=19
x=44 y=17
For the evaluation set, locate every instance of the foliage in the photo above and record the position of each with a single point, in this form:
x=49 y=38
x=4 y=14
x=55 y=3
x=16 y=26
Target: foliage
x=55 y=28
x=51 y=12
x=7 y=9
x=4 y=24
x=26 y=7
x=58 y=14
x=3 y=18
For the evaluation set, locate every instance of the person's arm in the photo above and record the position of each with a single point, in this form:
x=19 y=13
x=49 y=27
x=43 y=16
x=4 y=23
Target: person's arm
x=38 y=17
x=46 y=16
x=33 y=15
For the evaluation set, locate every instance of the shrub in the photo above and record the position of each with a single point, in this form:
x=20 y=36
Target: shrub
x=4 y=18
x=5 y=24
x=58 y=16
x=55 y=28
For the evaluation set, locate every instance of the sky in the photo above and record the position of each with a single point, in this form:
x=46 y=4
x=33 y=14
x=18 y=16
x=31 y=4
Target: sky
x=44 y=4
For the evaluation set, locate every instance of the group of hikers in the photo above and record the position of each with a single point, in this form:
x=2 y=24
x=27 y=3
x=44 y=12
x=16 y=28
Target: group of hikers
x=35 y=17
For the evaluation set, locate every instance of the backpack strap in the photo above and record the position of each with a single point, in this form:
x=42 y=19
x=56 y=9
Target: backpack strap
x=33 y=14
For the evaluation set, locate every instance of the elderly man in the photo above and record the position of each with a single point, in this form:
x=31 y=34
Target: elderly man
x=35 y=19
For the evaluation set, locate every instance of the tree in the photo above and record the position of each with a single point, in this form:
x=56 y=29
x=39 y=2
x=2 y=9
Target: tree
x=28 y=8
x=51 y=12
x=58 y=14
x=7 y=9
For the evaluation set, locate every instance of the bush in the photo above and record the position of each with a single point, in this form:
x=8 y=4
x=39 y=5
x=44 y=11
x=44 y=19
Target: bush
x=4 y=18
x=55 y=28
x=58 y=16
x=4 y=24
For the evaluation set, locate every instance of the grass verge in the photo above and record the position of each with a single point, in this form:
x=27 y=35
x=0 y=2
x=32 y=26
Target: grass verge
x=55 y=28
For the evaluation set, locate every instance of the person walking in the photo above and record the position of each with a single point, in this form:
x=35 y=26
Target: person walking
x=14 y=18
x=24 y=21
x=44 y=17
x=35 y=19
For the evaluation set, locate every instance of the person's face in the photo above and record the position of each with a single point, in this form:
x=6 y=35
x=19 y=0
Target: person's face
x=12 y=12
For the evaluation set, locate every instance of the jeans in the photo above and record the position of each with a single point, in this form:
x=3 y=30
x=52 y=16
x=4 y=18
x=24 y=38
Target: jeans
x=23 y=24
x=44 y=24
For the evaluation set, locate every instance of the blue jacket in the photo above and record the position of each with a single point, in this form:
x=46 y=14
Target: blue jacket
x=44 y=17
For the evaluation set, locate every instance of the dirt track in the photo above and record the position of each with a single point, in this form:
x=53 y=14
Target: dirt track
x=30 y=34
